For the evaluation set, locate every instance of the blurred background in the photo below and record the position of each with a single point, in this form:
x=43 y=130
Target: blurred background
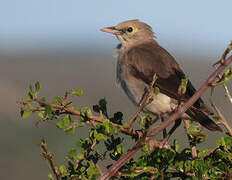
x=59 y=44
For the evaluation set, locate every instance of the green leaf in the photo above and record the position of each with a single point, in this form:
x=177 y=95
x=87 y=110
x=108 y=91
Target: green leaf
x=101 y=107
x=31 y=89
x=195 y=131
x=48 y=111
x=86 y=112
x=31 y=92
x=108 y=126
x=92 y=171
x=44 y=99
x=41 y=114
x=203 y=153
x=146 y=121
x=25 y=113
x=60 y=125
x=27 y=98
x=156 y=90
x=103 y=103
x=57 y=100
x=183 y=85
x=118 y=117
x=80 y=155
x=175 y=145
x=227 y=75
x=80 y=143
x=99 y=136
x=72 y=153
x=70 y=131
x=37 y=87
x=96 y=108
x=64 y=171
x=67 y=120
x=50 y=177
x=120 y=149
x=78 y=92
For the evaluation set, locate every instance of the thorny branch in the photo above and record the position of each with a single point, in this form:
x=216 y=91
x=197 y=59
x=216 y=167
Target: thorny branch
x=98 y=119
x=49 y=156
x=223 y=121
x=227 y=93
x=223 y=64
x=224 y=85
x=143 y=102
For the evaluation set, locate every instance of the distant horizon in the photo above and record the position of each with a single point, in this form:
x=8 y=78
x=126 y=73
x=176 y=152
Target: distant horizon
x=72 y=46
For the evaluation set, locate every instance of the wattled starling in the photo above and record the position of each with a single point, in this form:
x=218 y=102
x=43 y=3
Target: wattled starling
x=139 y=58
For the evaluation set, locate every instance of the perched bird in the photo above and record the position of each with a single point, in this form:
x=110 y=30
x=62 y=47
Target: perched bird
x=139 y=58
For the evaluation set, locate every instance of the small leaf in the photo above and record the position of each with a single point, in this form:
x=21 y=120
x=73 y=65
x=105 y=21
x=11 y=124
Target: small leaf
x=96 y=108
x=227 y=75
x=31 y=92
x=78 y=92
x=44 y=99
x=50 y=177
x=108 y=126
x=156 y=90
x=80 y=155
x=183 y=86
x=48 y=111
x=67 y=120
x=25 y=113
x=64 y=171
x=103 y=104
x=99 y=136
x=175 y=145
x=196 y=132
x=92 y=171
x=80 y=143
x=72 y=153
x=70 y=131
x=86 y=112
x=57 y=100
x=41 y=114
x=27 y=98
x=118 y=117
x=37 y=87
x=60 y=125
x=31 y=89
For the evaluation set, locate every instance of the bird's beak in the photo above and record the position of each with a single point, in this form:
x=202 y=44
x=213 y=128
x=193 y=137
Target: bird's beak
x=111 y=30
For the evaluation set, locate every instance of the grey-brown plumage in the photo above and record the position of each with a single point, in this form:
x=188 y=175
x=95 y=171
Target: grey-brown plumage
x=139 y=58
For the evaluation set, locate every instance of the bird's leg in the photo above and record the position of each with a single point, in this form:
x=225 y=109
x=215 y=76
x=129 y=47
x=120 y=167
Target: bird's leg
x=145 y=100
x=164 y=131
x=176 y=125
x=141 y=105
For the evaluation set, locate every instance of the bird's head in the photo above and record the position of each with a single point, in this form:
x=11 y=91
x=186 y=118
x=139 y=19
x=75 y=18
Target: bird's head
x=131 y=32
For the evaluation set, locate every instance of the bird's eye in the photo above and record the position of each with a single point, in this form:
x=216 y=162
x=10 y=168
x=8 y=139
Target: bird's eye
x=130 y=29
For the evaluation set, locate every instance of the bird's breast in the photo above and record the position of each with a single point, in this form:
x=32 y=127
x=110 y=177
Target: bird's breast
x=135 y=89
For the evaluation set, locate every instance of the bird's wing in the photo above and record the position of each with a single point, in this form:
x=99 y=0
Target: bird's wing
x=147 y=59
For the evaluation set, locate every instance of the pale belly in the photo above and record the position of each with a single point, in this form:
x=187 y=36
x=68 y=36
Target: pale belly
x=134 y=88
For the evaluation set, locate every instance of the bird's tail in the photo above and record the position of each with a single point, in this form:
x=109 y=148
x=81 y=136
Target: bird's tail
x=203 y=119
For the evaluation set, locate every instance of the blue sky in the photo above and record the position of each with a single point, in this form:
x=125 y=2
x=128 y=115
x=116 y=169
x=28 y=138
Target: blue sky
x=51 y=22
